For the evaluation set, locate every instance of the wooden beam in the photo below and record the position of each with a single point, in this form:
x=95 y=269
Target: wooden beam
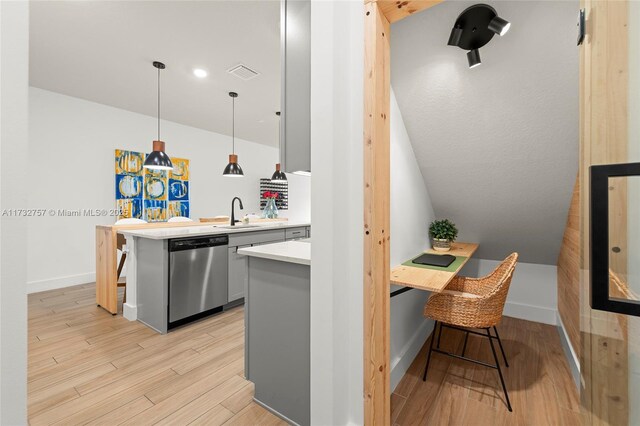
x=395 y=10
x=377 y=405
x=604 y=91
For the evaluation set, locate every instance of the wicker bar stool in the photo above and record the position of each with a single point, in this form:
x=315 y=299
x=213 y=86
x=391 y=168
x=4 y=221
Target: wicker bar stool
x=473 y=303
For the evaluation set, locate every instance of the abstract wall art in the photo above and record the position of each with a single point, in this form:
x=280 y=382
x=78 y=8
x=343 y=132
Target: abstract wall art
x=152 y=195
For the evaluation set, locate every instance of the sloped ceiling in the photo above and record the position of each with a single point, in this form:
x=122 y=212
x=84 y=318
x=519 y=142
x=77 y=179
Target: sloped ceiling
x=498 y=144
x=102 y=51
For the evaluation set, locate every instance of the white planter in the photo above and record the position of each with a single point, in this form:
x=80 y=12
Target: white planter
x=441 y=245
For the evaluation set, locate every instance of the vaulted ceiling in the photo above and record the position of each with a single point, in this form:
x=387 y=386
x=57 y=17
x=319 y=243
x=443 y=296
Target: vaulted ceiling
x=498 y=144
x=102 y=51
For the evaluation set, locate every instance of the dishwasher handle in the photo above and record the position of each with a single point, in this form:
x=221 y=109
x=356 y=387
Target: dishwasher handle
x=196 y=243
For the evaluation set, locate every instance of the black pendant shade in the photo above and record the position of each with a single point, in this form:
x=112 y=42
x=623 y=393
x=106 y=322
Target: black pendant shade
x=279 y=174
x=233 y=169
x=474 y=28
x=158 y=159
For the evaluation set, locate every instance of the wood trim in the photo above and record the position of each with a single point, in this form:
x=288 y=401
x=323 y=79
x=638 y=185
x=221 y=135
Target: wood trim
x=377 y=83
x=568 y=272
x=603 y=140
x=377 y=198
x=395 y=10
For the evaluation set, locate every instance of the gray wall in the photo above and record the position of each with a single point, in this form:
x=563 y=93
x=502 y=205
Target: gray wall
x=498 y=144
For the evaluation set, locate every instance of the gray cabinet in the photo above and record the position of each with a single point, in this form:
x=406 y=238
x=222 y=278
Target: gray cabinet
x=296 y=86
x=277 y=337
x=238 y=270
x=238 y=273
x=296 y=233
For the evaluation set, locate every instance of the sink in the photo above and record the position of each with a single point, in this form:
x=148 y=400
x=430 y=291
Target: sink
x=238 y=226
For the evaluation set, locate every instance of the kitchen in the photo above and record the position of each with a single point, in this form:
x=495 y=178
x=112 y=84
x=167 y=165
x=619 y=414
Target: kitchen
x=174 y=267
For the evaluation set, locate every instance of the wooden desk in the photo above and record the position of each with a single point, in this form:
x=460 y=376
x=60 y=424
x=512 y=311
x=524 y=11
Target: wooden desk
x=432 y=279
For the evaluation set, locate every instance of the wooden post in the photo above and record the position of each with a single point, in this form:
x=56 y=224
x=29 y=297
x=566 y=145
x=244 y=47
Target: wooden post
x=377 y=405
x=377 y=198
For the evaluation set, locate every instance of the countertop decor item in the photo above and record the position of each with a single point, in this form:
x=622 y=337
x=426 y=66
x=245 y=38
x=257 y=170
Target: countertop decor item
x=474 y=28
x=270 y=210
x=279 y=186
x=279 y=175
x=233 y=169
x=442 y=233
x=158 y=159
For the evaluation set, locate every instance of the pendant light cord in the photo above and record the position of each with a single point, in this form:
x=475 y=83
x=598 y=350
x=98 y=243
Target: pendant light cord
x=159 y=104
x=233 y=125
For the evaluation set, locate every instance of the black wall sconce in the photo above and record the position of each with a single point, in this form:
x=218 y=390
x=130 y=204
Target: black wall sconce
x=474 y=28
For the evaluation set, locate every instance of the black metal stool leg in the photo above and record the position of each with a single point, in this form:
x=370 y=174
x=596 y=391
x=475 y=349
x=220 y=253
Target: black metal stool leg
x=439 y=336
x=464 y=347
x=495 y=357
x=433 y=337
x=501 y=348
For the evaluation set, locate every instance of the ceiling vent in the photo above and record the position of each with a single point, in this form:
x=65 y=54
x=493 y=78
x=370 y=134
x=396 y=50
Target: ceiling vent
x=243 y=72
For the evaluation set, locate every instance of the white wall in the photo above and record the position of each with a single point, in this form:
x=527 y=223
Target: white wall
x=533 y=293
x=336 y=207
x=411 y=213
x=71 y=166
x=14 y=74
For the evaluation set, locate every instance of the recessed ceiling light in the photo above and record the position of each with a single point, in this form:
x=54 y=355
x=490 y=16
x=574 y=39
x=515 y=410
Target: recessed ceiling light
x=200 y=73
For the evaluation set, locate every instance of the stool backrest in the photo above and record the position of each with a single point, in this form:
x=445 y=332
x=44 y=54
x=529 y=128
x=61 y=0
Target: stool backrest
x=180 y=219
x=126 y=221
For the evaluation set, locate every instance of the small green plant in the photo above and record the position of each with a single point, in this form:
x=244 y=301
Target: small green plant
x=443 y=230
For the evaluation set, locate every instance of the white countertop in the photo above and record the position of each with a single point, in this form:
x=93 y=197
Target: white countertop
x=298 y=251
x=193 y=231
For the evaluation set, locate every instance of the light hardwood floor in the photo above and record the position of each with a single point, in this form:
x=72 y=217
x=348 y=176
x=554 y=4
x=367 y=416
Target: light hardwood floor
x=456 y=392
x=89 y=367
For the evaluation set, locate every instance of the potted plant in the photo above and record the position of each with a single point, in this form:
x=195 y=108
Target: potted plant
x=442 y=233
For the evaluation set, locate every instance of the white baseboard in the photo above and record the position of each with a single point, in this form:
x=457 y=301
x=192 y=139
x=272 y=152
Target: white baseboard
x=130 y=312
x=60 y=282
x=530 y=313
x=572 y=357
x=401 y=364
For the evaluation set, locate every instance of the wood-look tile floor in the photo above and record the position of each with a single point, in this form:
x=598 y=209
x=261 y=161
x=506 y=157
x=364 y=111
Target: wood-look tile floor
x=87 y=366
x=456 y=392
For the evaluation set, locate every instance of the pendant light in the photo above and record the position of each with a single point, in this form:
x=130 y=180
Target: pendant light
x=278 y=174
x=158 y=159
x=233 y=169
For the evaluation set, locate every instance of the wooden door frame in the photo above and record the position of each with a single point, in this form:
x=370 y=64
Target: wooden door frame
x=379 y=15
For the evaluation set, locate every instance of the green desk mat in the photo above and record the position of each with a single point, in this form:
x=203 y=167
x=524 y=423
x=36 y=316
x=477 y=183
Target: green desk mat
x=451 y=268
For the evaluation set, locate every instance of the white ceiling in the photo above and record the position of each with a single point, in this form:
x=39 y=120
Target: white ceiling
x=498 y=144
x=102 y=51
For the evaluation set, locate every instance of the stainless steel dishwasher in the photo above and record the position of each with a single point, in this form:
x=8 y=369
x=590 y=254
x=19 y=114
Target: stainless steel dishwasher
x=198 y=274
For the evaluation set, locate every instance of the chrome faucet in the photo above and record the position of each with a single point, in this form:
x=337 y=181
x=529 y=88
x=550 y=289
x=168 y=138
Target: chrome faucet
x=233 y=215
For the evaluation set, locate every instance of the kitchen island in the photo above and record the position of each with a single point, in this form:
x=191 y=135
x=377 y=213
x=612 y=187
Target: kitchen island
x=179 y=274
x=277 y=328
